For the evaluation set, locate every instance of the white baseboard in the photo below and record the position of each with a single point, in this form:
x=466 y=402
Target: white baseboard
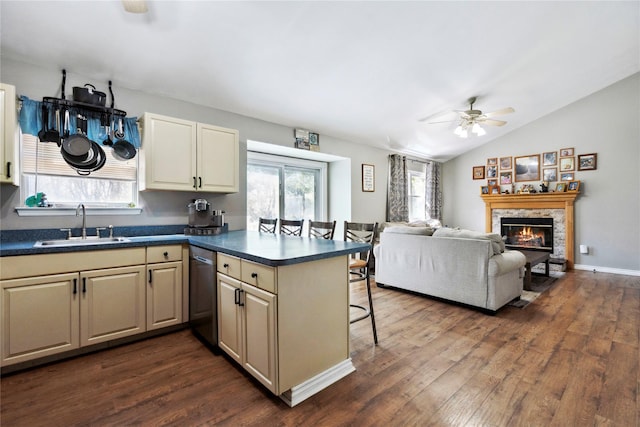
x=597 y=269
x=313 y=385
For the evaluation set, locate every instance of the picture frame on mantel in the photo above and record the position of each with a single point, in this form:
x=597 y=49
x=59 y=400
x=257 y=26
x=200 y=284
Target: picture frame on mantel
x=368 y=178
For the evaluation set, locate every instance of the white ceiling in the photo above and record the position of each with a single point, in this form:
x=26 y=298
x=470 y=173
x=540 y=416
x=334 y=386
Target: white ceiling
x=361 y=71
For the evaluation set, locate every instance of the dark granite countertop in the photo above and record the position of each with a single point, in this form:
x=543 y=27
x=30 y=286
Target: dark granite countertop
x=264 y=248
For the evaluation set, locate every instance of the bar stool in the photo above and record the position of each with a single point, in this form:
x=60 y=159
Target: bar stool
x=322 y=230
x=291 y=227
x=359 y=266
x=267 y=225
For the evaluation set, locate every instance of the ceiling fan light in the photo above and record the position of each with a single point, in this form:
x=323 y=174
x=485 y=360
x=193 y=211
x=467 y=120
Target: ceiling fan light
x=135 y=6
x=464 y=133
x=458 y=130
x=481 y=131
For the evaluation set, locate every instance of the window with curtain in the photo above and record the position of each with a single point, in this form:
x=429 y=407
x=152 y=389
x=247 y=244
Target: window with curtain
x=414 y=191
x=44 y=170
x=284 y=187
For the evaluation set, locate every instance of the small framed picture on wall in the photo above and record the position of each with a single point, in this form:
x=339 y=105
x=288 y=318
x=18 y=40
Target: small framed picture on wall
x=505 y=163
x=478 y=172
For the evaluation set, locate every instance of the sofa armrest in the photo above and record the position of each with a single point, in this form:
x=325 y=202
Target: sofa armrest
x=505 y=262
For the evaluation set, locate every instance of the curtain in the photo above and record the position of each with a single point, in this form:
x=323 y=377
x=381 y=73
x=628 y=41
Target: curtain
x=397 y=198
x=433 y=190
x=31 y=123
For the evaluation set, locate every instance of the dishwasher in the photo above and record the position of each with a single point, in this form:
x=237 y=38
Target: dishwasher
x=202 y=296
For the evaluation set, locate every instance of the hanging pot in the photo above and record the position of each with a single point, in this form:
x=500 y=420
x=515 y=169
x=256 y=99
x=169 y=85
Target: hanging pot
x=77 y=145
x=94 y=160
x=89 y=95
x=123 y=149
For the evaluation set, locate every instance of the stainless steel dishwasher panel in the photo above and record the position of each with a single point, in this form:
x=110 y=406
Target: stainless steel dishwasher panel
x=202 y=295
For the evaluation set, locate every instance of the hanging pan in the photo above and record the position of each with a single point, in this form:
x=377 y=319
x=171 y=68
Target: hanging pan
x=77 y=145
x=123 y=149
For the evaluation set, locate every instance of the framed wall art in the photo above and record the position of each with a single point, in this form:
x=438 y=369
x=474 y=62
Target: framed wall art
x=566 y=152
x=550 y=158
x=550 y=174
x=566 y=176
x=567 y=164
x=527 y=168
x=587 y=162
x=478 y=172
x=314 y=141
x=368 y=178
x=505 y=163
x=493 y=161
x=506 y=178
x=492 y=171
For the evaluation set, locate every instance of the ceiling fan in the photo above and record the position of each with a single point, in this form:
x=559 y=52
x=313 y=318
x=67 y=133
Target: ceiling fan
x=472 y=119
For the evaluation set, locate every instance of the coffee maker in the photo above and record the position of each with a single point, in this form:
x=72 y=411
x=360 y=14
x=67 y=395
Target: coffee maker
x=203 y=220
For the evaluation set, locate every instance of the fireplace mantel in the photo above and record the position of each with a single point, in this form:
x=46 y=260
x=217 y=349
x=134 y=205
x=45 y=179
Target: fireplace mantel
x=536 y=201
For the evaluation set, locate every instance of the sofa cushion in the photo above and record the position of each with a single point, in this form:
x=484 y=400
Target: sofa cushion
x=496 y=241
x=403 y=229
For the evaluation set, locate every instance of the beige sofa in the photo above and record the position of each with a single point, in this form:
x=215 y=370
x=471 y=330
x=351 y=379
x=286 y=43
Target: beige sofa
x=464 y=266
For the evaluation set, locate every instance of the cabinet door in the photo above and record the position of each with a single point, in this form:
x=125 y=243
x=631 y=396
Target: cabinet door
x=259 y=349
x=112 y=304
x=8 y=138
x=164 y=295
x=218 y=159
x=40 y=317
x=169 y=150
x=229 y=317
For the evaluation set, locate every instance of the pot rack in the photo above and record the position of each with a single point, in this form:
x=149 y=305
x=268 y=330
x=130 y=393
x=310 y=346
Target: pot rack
x=89 y=110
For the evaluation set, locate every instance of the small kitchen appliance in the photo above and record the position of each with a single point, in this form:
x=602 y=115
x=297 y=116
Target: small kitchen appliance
x=203 y=220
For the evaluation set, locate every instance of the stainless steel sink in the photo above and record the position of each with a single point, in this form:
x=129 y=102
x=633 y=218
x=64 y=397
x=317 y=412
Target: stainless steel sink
x=80 y=242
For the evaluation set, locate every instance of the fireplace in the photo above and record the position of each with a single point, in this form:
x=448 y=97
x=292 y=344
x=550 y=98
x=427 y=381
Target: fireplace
x=534 y=234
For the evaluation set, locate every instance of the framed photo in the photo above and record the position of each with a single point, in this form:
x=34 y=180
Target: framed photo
x=492 y=182
x=550 y=158
x=561 y=187
x=484 y=189
x=493 y=161
x=573 y=186
x=492 y=171
x=527 y=168
x=314 y=141
x=302 y=144
x=505 y=163
x=478 y=172
x=567 y=176
x=368 y=178
x=567 y=164
x=494 y=189
x=587 y=162
x=506 y=178
x=566 y=152
x=550 y=174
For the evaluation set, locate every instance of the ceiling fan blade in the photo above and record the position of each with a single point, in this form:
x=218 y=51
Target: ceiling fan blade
x=507 y=110
x=492 y=122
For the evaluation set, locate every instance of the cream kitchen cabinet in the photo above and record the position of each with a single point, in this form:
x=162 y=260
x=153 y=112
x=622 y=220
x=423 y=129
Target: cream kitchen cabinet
x=184 y=155
x=9 y=135
x=247 y=328
x=164 y=286
x=52 y=303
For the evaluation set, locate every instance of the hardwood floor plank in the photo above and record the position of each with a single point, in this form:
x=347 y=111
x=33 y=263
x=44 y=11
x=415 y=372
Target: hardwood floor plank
x=570 y=358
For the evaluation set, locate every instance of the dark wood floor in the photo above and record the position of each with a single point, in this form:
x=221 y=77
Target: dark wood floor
x=570 y=358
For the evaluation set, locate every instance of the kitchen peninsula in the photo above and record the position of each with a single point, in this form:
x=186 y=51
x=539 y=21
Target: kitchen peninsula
x=283 y=302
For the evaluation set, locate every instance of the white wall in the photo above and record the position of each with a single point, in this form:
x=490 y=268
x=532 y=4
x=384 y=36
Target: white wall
x=607 y=212
x=160 y=207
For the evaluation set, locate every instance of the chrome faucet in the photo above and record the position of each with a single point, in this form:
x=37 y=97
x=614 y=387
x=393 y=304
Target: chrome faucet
x=84 y=219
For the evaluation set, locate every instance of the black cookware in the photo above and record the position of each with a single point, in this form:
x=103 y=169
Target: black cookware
x=123 y=149
x=89 y=95
x=77 y=145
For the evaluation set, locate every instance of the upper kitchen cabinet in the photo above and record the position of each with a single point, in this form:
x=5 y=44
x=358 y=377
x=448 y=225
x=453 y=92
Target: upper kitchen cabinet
x=183 y=155
x=8 y=135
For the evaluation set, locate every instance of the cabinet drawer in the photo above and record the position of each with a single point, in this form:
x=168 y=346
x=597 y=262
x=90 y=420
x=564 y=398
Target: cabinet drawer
x=164 y=253
x=229 y=265
x=259 y=275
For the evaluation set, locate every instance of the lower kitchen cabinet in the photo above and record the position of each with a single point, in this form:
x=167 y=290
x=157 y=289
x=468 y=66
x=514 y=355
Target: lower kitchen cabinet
x=164 y=295
x=112 y=304
x=40 y=317
x=63 y=306
x=247 y=328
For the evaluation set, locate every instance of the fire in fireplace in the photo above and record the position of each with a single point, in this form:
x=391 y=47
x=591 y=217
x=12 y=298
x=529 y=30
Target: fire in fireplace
x=528 y=233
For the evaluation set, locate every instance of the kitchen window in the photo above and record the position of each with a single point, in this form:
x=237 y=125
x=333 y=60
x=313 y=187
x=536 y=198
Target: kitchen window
x=114 y=186
x=284 y=187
